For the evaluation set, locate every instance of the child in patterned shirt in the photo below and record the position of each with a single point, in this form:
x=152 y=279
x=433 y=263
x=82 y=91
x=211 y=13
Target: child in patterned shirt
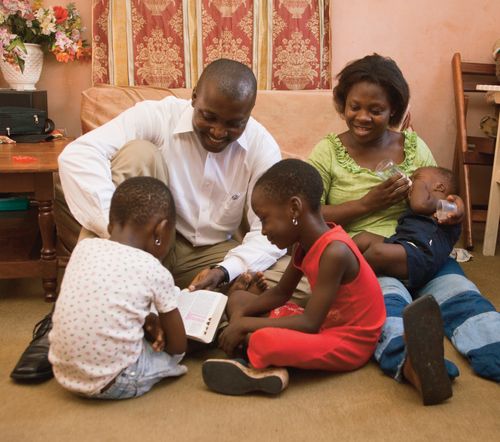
x=97 y=343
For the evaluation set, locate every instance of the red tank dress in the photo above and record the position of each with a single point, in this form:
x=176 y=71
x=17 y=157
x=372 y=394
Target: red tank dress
x=350 y=331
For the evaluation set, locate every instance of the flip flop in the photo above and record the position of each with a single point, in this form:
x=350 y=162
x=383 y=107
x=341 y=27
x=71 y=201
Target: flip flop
x=232 y=377
x=424 y=336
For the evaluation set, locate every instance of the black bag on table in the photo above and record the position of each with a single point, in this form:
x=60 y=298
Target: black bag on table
x=25 y=124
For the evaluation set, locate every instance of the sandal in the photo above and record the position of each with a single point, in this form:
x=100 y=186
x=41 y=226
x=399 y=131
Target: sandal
x=424 y=336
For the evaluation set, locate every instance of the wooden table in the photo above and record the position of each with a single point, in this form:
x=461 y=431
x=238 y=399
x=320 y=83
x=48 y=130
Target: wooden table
x=493 y=214
x=34 y=178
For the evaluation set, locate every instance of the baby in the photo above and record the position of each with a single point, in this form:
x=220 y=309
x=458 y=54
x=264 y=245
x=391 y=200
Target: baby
x=421 y=243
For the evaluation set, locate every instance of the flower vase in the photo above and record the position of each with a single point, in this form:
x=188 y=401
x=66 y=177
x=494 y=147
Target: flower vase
x=24 y=81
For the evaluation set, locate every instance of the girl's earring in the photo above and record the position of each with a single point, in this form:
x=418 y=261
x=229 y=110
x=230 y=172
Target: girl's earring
x=295 y=222
x=157 y=241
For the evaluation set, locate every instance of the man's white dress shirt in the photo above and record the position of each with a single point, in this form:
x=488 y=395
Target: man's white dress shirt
x=210 y=189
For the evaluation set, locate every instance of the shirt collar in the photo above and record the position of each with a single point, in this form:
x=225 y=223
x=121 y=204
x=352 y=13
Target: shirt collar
x=185 y=124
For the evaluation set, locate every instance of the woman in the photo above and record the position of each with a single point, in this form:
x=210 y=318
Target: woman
x=372 y=96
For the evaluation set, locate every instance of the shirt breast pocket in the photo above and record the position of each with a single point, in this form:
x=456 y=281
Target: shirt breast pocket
x=230 y=211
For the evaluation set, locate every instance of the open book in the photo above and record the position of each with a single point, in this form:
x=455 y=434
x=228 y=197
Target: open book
x=201 y=313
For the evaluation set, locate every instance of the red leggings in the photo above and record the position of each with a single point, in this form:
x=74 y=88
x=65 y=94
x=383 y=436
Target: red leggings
x=343 y=348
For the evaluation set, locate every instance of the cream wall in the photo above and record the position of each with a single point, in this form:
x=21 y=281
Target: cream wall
x=420 y=35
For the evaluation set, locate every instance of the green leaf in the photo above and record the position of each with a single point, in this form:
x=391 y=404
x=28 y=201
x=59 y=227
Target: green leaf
x=20 y=63
x=17 y=43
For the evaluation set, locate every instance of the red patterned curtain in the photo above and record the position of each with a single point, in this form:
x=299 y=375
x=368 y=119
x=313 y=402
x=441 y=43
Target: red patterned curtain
x=100 y=43
x=167 y=43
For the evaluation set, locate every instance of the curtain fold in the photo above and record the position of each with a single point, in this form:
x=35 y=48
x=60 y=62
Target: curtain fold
x=166 y=43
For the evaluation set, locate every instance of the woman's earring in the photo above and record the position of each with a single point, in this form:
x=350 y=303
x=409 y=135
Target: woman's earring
x=295 y=222
x=157 y=241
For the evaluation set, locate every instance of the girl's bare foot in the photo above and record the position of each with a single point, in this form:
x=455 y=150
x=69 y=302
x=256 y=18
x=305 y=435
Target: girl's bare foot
x=242 y=282
x=258 y=284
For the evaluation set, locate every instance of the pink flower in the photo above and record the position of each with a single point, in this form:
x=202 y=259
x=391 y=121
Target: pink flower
x=58 y=29
x=22 y=7
x=60 y=13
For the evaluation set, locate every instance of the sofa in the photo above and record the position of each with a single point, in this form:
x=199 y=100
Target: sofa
x=296 y=119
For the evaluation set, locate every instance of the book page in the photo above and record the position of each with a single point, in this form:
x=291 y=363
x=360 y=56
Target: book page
x=201 y=311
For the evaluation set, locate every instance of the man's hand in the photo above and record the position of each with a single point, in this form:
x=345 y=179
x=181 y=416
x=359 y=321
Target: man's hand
x=153 y=332
x=231 y=337
x=207 y=279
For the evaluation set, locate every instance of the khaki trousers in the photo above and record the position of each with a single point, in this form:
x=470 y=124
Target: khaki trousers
x=142 y=158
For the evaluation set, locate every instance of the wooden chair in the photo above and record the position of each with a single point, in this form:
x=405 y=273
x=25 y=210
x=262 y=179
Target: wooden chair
x=469 y=150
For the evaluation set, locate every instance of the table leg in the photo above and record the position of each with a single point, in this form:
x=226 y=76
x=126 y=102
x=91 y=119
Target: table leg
x=48 y=261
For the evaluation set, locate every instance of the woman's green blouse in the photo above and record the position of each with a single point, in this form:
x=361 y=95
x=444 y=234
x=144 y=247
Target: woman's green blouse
x=344 y=180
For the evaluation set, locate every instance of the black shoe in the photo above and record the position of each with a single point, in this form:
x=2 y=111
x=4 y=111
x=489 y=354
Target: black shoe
x=34 y=365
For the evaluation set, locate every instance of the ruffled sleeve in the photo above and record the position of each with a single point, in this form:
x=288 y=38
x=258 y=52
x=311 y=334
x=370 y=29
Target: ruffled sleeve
x=417 y=153
x=343 y=158
x=321 y=158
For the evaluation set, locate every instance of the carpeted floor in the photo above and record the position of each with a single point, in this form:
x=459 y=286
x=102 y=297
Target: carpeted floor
x=360 y=406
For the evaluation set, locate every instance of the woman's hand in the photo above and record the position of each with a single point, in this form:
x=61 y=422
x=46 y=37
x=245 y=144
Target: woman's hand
x=386 y=194
x=231 y=337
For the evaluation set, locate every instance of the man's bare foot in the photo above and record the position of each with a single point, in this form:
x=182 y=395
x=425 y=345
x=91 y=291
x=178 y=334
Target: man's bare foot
x=254 y=283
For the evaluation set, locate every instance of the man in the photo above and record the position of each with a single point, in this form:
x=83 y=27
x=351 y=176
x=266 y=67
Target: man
x=208 y=150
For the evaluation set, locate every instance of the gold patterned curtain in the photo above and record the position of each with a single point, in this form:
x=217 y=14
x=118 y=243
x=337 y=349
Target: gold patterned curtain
x=166 y=43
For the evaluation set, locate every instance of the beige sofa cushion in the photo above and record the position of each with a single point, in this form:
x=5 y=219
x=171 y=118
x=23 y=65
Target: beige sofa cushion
x=103 y=102
x=297 y=119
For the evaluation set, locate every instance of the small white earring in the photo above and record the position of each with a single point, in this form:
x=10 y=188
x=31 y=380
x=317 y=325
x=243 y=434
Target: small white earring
x=295 y=222
x=157 y=241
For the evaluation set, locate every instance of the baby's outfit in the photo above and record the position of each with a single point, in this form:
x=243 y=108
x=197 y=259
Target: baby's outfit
x=350 y=331
x=427 y=244
x=97 y=345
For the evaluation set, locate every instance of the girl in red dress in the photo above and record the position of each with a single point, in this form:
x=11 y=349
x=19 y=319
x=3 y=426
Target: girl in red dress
x=337 y=330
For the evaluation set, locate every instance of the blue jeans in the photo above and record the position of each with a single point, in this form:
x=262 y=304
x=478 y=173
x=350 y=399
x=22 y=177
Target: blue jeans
x=139 y=378
x=471 y=322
